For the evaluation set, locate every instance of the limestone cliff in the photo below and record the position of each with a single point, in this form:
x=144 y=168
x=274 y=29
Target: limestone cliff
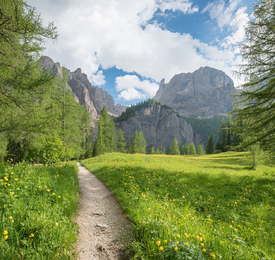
x=92 y=98
x=160 y=125
x=203 y=93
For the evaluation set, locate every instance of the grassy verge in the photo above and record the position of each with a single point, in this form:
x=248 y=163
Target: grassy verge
x=191 y=207
x=36 y=207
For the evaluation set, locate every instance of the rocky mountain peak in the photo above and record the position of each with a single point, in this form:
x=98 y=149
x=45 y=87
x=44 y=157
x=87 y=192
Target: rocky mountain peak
x=91 y=97
x=203 y=93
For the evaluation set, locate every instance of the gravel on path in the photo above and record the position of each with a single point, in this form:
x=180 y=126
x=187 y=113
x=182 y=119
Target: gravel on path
x=104 y=230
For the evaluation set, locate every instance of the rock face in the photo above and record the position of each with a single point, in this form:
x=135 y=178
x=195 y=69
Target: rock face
x=203 y=93
x=92 y=98
x=160 y=125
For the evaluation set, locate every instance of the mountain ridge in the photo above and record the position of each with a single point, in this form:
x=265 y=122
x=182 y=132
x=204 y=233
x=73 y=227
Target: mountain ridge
x=203 y=93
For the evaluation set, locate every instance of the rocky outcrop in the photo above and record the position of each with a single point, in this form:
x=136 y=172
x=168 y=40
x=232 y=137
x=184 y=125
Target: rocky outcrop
x=203 y=93
x=160 y=125
x=92 y=98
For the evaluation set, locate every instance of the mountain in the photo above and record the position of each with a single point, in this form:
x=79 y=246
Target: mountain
x=159 y=124
x=92 y=98
x=201 y=94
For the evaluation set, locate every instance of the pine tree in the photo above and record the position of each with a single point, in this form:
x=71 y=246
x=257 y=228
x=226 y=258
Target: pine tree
x=175 y=148
x=192 y=149
x=152 y=150
x=121 y=145
x=229 y=134
x=210 y=145
x=200 y=150
x=106 y=133
x=137 y=143
x=256 y=101
x=222 y=136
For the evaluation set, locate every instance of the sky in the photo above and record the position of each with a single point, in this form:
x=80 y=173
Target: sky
x=128 y=46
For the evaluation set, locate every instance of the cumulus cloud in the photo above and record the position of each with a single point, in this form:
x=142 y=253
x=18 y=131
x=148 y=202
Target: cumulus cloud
x=132 y=87
x=98 y=78
x=105 y=34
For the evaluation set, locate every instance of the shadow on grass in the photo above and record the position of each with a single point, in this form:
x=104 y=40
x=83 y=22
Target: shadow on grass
x=225 y=189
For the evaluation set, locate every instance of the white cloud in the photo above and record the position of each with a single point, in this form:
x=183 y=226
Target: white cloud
x=220 y=11
x=131 y=94
x=116 y=33
x=98 y=79
x=183 y=5
x=226 y=15
x=130 y=84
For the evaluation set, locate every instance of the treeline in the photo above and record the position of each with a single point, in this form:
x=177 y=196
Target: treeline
x=130 y=111
x=203 y=127
x=39 y=119
x=50 y=129
x=108 y=141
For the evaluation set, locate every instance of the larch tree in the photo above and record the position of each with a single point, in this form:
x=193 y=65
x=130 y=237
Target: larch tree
x=175 y=147
x=256 y=102
x=121 y=144
x=106 y=139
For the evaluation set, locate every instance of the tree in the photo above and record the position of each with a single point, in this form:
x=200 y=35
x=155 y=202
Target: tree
x=222 y=136
x=106 y=137
x=200 y=149
x=229 y=133
x=210 y=145
x=21 y=37
x=256 y=101
x=137 y=143
x=121 y=145
x=192 y=149
x=175 y=148
x=152 y=150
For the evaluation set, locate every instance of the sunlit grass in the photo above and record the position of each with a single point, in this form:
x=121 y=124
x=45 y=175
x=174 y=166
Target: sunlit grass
x=36 y=207
x=193 y=207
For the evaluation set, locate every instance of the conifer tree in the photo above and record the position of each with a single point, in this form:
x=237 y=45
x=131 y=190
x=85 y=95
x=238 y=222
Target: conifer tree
x=192 y=149
x=175 y=148
x=152 y=150
x=256 y=101
x=121 y=145
x=210 y=145
x=200 y=150
x=137 y=143
x=222 y=136
x=106 y=133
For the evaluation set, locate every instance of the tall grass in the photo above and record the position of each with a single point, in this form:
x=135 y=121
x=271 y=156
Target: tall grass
x=36 y=207
x=191 y=207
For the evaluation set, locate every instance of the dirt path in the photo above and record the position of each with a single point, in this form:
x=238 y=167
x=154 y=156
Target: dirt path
x=104 y=230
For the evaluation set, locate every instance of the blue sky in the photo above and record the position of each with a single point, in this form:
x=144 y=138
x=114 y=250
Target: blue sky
x=128 y=47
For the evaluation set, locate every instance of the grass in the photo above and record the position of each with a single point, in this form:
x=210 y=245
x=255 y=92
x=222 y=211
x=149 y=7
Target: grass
x=36 y=207
x=193 y=207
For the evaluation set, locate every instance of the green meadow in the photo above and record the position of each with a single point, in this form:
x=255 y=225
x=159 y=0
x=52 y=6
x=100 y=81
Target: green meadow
x=193 y=207
x=37 y=204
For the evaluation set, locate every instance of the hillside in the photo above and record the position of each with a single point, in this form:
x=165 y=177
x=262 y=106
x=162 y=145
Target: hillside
x=160 y=124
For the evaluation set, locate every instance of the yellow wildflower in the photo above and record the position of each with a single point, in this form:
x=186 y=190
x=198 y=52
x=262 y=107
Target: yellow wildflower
x=5 y=232
x=158 y=243
x=161 y=248
x=176 y=248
